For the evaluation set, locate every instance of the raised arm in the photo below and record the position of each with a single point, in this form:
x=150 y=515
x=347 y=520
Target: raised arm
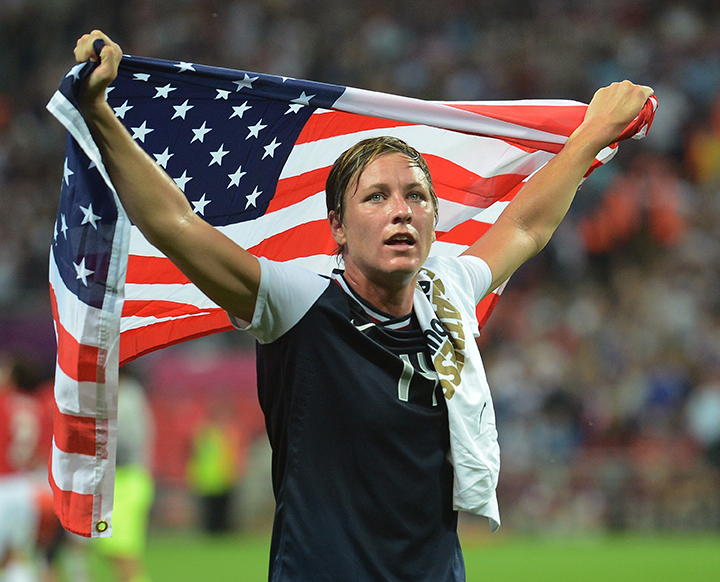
x=528 y=222
x=225 y=272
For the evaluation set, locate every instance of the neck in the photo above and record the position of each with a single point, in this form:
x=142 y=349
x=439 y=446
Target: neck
x=395 y=300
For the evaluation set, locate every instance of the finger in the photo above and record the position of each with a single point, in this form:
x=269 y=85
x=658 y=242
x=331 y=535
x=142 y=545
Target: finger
x=98 y=46
x=88 y=45
x=81 y=49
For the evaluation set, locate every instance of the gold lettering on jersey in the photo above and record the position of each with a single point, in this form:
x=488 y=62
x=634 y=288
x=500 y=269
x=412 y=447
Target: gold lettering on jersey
x=447 y=340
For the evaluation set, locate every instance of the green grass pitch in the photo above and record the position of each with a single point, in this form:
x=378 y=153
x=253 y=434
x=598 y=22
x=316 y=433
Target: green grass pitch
x=500 y=558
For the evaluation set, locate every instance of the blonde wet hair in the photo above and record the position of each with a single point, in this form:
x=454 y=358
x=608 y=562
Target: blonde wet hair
x=347 y=169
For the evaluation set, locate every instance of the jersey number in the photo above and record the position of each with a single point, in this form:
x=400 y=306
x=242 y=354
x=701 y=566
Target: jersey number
x=409 y=371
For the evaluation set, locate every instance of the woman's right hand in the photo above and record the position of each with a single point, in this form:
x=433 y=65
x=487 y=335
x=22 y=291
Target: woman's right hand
x=105 y=73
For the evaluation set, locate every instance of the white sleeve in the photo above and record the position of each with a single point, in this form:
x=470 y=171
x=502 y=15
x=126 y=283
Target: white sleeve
x=285 y=295
x=478 y=271
x=472 y=274
x=469 y=277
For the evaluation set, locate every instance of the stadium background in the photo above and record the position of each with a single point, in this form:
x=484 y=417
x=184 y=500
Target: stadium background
x=604 y=351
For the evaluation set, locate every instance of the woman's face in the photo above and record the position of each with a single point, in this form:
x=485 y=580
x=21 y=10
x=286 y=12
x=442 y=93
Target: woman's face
x=389 y=222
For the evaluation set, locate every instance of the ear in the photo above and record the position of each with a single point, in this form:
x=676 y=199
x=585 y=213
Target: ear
x=434 y=236
x=336 y=229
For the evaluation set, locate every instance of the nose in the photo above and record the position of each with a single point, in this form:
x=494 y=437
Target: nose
x=401 y=210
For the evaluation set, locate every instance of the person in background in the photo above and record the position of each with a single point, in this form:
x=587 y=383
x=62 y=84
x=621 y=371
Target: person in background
x=134 y=486
x=21 y=466
x=216 y=465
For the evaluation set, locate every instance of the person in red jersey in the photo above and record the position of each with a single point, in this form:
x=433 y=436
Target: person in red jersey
x=22 y=465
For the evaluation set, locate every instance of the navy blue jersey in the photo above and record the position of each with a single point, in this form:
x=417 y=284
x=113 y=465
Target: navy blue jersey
x=359 y=432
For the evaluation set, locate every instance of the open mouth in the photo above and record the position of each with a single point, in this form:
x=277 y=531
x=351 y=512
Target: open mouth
x=401 y=240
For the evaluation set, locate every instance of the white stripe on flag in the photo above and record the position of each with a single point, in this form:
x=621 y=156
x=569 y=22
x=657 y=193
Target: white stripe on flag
x=76 y=473
x=434 y=113
x=498 y=157
x=75 y=398
x=453 y=213
x=253 y=232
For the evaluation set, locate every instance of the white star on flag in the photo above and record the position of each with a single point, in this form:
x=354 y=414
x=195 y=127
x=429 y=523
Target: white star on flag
x=163 y=158
x=122 y=110
x=199 y=205
x=67 y=172
x=89 y=216
x=182 y=66
x=163 y=92
x=141 y=132
x=235 y=177
x=181 y=110
x=81 y=272
x=222 y=94
x=246 y=82
x=239 y=110
x=182 y=180
x=303 y=99
x=63 y=226
x=200 y=133
x=297 y=104
x=270 y=148
x=255 y=129
x=75 y=71
x=251 y=198
x=141 y=77
x=218 y=156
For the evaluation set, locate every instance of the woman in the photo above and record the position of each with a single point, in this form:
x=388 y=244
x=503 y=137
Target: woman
x=359 y=374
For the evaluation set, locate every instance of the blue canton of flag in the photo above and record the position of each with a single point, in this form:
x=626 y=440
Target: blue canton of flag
x=206 y=126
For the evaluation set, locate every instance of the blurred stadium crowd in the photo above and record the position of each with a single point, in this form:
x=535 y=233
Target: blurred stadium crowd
x=604 y=351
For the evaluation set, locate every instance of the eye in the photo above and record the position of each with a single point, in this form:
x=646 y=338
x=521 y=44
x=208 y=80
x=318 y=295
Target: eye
x=375 y=197
x=416 y=196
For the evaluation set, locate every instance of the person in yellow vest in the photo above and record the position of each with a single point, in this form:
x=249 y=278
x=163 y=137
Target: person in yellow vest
x=214 y=467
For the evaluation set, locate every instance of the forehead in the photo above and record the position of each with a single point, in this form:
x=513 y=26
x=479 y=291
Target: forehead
x=391 y=169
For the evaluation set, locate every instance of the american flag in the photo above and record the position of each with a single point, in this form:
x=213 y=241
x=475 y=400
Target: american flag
x=251 y=152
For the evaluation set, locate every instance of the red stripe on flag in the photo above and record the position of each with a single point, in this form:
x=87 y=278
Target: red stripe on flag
x=485 y=307
x=292 y=190
x=306 y=240
x=74 y=434
x=75 y=510
x=331 y=124
x=465 y=233
x=143 y=270
x=561 y=120
x=143 y=340
x=78 y=361
x=457 y=184
x=160 y=309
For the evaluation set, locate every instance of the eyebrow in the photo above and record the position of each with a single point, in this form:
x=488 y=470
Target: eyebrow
x=412 y=185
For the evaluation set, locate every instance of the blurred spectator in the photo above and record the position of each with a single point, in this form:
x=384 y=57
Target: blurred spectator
x=650 y=197
x=703 y=417
x=134 y=487
x=216 y=465
x=22 y=488
x=703 y=149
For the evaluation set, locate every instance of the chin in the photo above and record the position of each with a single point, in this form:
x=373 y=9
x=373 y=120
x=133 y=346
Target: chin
x=407 y=268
